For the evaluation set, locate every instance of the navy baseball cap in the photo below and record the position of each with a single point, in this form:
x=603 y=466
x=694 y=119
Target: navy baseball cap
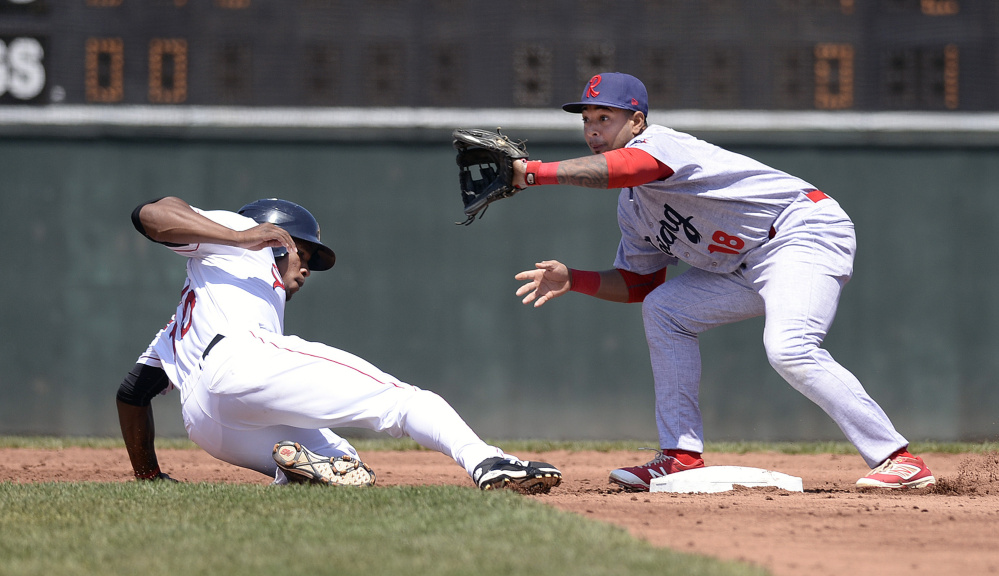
x=615 y=90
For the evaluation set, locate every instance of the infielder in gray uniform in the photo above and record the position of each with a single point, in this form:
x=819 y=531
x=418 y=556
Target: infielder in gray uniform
x=759 y=242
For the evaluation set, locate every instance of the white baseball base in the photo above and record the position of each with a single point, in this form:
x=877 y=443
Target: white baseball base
x=722 y=479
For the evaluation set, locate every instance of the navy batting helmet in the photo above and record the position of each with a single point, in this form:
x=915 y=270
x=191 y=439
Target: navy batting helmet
x=298 y=221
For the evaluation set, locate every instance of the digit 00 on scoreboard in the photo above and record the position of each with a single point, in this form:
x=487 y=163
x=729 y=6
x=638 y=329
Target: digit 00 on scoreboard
x=866 y=55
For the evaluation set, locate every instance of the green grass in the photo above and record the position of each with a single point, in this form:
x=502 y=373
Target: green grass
x=213 y=529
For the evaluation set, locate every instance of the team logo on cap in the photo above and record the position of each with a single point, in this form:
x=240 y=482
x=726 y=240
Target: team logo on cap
x=591 y=91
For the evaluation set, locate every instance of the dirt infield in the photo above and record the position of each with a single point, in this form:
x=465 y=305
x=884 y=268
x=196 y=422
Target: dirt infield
x=830 y=529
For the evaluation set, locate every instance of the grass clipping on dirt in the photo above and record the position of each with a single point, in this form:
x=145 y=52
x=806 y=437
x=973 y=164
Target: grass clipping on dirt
x=170 y=529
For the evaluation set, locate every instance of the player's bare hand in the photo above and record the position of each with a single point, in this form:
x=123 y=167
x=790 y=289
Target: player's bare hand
x=549 y=279
x=266 y=235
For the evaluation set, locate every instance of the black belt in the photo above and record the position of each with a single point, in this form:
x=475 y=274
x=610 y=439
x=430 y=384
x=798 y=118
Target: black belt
x=218 y=338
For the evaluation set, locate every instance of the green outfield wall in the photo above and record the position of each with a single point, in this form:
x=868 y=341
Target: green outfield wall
x=433 y=303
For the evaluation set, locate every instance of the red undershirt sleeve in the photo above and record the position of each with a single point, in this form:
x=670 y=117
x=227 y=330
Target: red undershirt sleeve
x=639 y=285
x=628 y=167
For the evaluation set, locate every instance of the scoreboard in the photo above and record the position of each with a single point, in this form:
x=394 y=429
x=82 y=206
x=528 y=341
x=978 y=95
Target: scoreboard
x=862 y=55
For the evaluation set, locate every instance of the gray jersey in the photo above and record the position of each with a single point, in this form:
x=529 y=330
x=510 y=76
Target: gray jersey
x=714 y=209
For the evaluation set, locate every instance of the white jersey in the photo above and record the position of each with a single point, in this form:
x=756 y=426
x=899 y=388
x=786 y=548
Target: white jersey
x=228 y=290
x=716 y=207
x=149 y=357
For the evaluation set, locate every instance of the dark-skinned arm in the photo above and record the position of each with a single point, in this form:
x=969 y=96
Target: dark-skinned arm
x=173 y=221
x=135 y=417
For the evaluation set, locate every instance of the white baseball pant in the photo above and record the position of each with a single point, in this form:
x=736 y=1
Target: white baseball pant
x=256 y=389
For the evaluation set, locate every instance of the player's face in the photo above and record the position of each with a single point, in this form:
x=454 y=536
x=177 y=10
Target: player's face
x=294 y=269
x=608 y=129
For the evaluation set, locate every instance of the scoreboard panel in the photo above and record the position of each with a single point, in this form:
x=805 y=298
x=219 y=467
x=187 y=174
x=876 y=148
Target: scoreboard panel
x=862 y=55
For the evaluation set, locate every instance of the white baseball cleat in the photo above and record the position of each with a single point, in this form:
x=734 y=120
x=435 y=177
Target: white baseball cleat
x=303 y=465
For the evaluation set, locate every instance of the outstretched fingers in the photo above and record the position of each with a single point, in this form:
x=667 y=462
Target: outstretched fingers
x=548 y=280
x=530 y=290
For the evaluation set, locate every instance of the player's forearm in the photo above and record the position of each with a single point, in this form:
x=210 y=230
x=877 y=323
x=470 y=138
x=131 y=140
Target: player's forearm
x=612 y=287
x=173 y=220
x=587 y=172
x=616 y=285
x=139 y=433
x=619 y=168
x=605 y=285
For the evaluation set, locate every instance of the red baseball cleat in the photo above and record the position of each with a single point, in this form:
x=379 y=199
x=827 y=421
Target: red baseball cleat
x=899 y=472
x=638 y=477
